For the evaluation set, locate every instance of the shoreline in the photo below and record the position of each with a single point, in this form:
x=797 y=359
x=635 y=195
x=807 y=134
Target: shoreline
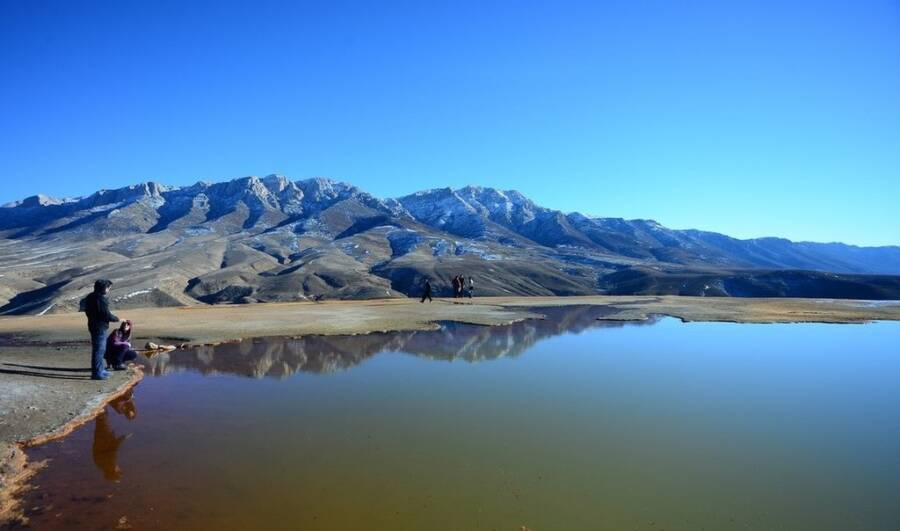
x=221 y=323
x=58 y=339
x=16 y=470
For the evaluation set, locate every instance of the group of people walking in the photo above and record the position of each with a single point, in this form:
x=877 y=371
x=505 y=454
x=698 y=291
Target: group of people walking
x=461 y=288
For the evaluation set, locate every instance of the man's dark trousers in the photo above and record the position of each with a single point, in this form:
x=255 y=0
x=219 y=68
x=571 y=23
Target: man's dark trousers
x=99 y=331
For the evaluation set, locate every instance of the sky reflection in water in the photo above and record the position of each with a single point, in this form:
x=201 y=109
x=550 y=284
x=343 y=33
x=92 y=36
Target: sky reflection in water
x=570 y=423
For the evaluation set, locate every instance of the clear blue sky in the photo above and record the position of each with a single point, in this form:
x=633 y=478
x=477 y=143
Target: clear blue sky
x=750 y=118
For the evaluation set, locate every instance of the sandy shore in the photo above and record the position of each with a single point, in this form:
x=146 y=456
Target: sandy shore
x=45 y=391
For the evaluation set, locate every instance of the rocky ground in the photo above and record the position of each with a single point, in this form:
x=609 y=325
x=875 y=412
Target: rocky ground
x=45 y=390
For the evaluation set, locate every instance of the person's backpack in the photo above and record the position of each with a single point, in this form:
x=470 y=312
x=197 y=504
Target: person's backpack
x=88 y=305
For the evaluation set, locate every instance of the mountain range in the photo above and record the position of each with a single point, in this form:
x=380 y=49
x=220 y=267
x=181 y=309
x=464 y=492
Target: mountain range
x=274 y=239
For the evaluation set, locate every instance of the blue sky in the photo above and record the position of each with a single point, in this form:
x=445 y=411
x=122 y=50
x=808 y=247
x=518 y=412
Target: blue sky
x=748 y=118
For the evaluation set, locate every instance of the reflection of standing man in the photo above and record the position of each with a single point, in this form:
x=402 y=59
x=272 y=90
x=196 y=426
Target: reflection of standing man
x=124 y=406
x=106 y=444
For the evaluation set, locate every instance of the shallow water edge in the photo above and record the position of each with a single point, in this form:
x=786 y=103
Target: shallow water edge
x=16 y=469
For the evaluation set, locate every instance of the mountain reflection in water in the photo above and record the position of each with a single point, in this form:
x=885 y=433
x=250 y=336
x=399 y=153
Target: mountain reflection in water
x=670 y=426
x=283 y=357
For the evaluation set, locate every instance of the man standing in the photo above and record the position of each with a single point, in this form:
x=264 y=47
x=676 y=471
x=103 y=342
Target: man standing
x=426 y=294
x=96 y=307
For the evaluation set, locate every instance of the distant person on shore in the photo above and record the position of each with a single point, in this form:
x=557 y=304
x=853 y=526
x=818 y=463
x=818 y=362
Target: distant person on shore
x=471 y=291
x=455 y=283
x=96 y=307
x=426 y=294
x=118 y=347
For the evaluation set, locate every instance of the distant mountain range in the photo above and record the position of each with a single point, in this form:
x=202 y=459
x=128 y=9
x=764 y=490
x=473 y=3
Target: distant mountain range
x=274 y=239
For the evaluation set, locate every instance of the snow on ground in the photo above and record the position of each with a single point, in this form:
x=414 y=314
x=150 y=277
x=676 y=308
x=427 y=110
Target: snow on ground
x=133 y=294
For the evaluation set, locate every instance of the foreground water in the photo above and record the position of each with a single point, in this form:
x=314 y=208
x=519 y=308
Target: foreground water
x=563 y=424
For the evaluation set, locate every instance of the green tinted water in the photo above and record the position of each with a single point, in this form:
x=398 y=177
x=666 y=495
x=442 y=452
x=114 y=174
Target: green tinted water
x=564 y=424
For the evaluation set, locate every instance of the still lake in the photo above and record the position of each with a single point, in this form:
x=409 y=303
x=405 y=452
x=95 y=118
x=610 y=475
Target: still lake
x=567 y=423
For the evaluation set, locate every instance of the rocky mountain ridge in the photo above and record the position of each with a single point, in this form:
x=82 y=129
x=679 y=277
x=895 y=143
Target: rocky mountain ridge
x=272 y=238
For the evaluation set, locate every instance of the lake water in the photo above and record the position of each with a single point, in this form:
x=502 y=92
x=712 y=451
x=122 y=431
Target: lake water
x=564 y=424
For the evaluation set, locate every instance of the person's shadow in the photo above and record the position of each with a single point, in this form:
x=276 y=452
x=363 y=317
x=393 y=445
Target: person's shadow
x=106 y=443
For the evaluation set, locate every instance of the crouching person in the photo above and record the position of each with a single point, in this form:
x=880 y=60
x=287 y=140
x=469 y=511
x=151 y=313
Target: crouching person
x=118 y=347
x=96 y=307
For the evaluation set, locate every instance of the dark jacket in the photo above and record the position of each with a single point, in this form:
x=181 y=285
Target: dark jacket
x=96 y=307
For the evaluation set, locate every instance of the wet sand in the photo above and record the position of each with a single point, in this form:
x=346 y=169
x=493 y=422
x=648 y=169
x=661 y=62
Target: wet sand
x=45 y=393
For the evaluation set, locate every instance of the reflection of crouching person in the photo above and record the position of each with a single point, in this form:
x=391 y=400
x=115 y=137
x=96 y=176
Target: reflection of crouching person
x=118 y=347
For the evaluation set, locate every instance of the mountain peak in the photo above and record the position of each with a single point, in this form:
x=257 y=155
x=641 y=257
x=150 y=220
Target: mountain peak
x=276 y=183
x=153 y=189
x=432 y=192
x=319 y=189
x=39 y=200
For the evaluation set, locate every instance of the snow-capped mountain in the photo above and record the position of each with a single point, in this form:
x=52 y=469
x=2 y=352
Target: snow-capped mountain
x=272 y=238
